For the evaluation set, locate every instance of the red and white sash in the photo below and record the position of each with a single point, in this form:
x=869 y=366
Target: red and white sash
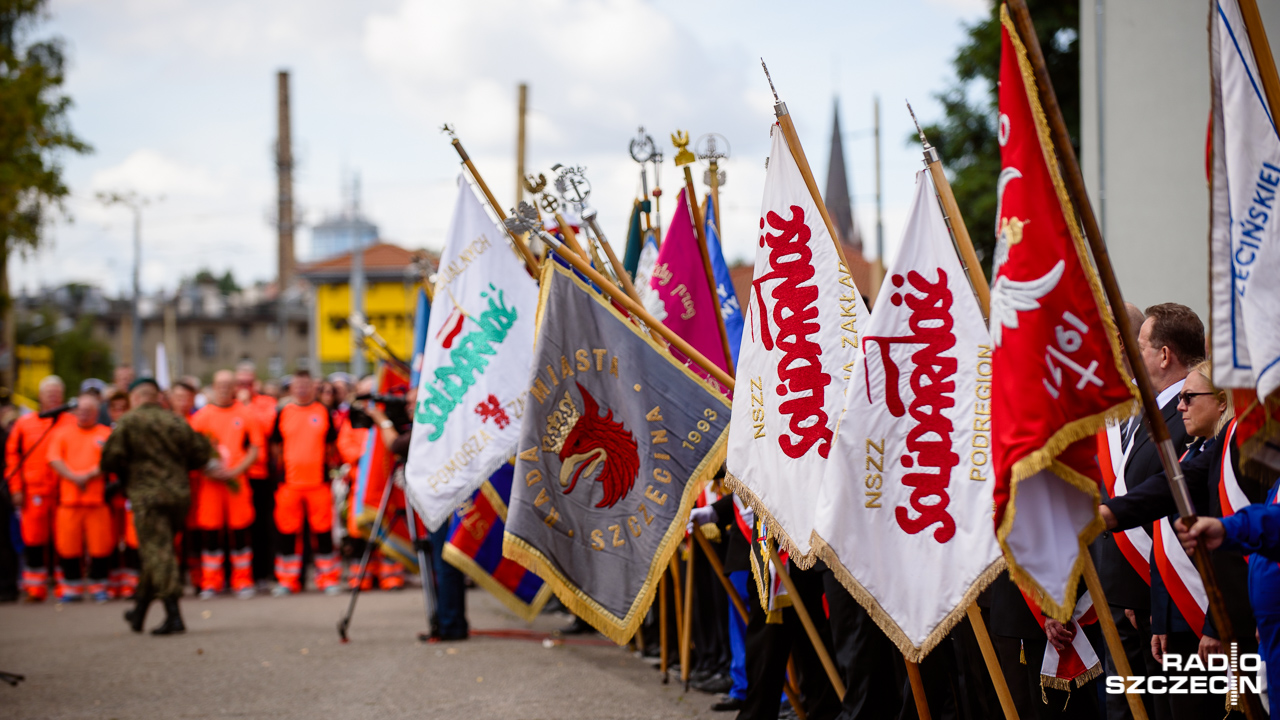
x=1180 y=576
x=1134 y=543
x=1230 y=496
x=1077 y=664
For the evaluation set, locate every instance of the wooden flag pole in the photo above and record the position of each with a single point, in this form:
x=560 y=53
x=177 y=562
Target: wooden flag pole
x=679 y=598
x=797 y=152
x=790 y=689
x=917 y=690
x=810 y=629
x=686 y=638
x=530 y=262
x=618 y=296
x=570 y=237
x=718 y=568
x=1156 y=426
x=793 y=695
x=714 y=168
x=662 y=626
x=589 y=217
x=982 y=291
x=992 y=662
x=633 y=307
x=1262 y=54
x=691 y=199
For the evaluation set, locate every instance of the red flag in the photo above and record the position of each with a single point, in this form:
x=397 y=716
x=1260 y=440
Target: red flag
x=1057 y=375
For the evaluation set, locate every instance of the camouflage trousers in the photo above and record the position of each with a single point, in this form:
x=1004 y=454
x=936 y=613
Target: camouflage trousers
x=160 y=576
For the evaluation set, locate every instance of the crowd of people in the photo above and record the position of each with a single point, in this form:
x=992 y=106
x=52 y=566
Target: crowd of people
x=260 y=462
x=257 y=501
x=759 y=663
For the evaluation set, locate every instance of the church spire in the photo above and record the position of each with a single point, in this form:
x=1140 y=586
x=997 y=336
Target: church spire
x=837 y=195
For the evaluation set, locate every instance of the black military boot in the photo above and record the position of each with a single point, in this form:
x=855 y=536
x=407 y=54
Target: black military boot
x=138 y=614
x=172 y=619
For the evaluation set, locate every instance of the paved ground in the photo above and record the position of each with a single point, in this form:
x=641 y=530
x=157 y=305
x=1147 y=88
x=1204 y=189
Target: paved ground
x=280 y=658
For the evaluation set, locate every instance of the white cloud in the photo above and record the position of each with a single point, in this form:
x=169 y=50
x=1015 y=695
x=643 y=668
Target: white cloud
x=150 y=173
x=601 y=67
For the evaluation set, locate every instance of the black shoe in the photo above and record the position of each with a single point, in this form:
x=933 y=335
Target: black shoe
x=727 y=704
x=437 y=636
x=577 y=627
x=716 y=684
x=138 y=614
x=172 y=619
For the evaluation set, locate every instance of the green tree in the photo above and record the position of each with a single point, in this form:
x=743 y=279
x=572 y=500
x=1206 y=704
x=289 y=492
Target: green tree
x=77 y=355
x=34 y=131
x=966 y=136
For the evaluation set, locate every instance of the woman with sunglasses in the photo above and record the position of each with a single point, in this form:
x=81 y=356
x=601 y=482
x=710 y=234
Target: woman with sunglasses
x=1180 y=623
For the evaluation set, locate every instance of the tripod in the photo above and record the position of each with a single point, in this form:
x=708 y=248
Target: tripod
x=376 y=536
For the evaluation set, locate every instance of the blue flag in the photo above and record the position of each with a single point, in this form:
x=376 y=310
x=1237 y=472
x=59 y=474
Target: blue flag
x=420 y=317
x=475 y=548
x=729 y=308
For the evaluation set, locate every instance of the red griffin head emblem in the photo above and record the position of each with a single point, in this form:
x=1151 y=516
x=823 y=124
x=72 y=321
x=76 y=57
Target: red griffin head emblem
x=596 y=441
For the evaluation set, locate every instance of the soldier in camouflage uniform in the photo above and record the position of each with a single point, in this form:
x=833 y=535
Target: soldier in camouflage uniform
x=151 y=450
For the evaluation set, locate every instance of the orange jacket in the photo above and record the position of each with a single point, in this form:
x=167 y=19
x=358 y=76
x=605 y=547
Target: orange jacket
x=79 y=449
x=27 y=437
x=262 y=408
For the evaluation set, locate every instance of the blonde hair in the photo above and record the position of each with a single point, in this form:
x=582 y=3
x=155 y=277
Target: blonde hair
x=1205 y=369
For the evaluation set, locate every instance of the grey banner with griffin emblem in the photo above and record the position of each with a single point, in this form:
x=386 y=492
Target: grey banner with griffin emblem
x=616 y=440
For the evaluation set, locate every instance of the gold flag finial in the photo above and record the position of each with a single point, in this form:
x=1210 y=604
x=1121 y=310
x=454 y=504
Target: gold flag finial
x=680 y=139
x=534 y=183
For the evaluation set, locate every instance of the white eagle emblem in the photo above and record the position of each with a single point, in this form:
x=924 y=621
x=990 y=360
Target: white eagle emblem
x=1008 y=297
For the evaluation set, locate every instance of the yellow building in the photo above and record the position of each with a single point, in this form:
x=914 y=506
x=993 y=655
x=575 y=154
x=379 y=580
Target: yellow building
x=391 y=291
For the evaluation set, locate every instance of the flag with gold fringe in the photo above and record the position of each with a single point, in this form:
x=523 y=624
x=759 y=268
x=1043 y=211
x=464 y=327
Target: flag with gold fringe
x=617 y=440
x=475 y=548
x=1056 y=371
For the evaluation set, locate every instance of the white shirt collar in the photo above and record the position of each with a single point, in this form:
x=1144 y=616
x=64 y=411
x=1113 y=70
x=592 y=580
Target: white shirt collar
x=1170 y=392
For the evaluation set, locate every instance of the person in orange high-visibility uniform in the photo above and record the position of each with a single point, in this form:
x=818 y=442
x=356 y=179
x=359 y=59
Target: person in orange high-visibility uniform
x=227 y=505
x=262 y=408
x=303 y=436
x=83 y=520
x=33 y=485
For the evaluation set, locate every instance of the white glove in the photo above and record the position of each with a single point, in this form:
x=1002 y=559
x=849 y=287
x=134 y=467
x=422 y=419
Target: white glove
x=701 y=516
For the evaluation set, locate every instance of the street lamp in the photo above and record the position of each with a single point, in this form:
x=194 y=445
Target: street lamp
x=135 y=203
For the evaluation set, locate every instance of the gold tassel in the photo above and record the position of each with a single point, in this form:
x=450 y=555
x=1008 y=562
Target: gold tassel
x=710 y=531
x=1022 y=652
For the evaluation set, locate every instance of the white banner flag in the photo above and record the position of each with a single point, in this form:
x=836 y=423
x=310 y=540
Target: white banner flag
x=475 y=366
x=909 y=485
x=1244 y=243
x=802 y=321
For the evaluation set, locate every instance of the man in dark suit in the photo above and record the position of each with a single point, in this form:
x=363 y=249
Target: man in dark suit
x=1171 y=342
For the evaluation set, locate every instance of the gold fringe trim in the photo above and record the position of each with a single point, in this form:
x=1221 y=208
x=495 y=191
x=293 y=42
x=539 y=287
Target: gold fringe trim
x=525 y=611
x=881 y=617
x=621 y=630
x=495 y=500
x=1064 y=201
x=1067 y=684
x=804 y=561
x=1060 y=612
x=1046 y=456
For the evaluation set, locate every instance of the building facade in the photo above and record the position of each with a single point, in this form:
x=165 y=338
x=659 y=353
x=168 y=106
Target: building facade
x=392 y=278
x=1144 y=109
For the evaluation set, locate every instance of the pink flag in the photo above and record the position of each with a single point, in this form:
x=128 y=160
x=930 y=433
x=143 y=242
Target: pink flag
x=679 y=295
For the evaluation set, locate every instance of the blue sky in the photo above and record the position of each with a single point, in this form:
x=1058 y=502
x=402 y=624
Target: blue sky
x=177 y=98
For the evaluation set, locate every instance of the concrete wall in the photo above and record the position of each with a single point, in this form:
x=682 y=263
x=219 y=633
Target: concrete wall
x=1143 y=126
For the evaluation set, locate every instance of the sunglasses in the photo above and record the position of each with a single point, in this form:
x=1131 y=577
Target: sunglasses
x=1186 y=397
